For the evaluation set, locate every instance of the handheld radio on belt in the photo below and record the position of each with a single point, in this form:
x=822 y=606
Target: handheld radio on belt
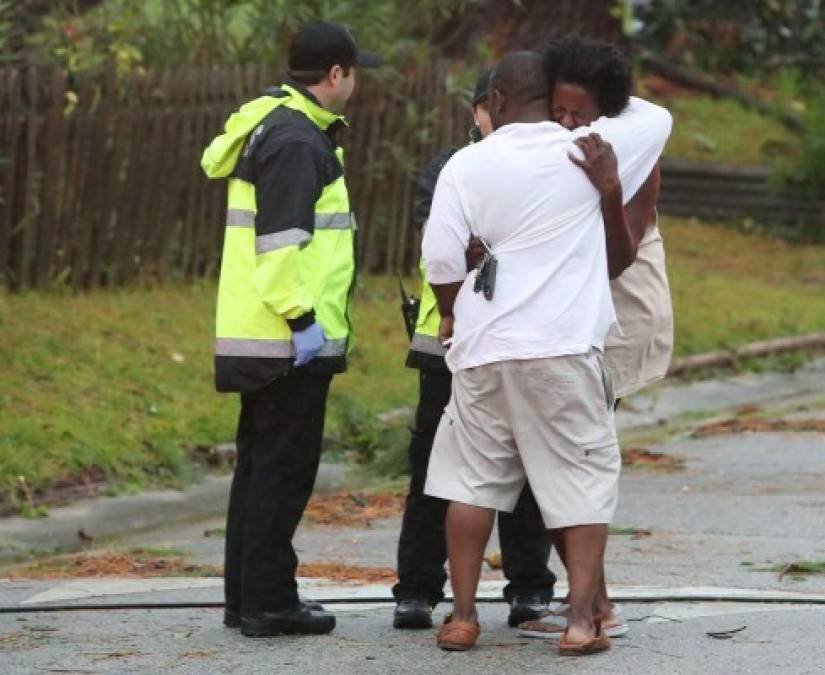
x=409 y=309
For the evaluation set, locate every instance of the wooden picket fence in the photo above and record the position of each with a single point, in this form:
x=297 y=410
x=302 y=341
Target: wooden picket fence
x=719 y=192
x=101 y=183
x=100 y=179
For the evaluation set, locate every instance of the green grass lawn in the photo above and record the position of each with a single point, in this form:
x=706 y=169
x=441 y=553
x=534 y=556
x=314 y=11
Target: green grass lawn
x=730 y=288
x=122 y=380
x=709 y=130
x=119 y=380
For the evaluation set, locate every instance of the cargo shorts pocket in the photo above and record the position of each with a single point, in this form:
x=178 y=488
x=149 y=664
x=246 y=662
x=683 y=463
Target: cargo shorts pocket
x=602 y=433
x=607 y=383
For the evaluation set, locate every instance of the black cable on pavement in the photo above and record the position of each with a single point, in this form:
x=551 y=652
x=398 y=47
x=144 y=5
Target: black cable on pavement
x=27 y=609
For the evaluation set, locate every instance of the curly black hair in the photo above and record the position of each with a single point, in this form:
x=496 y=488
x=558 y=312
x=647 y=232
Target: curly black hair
x=599 y=67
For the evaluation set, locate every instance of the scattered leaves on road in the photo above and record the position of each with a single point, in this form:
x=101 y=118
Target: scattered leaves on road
x=132 y=563
x=641 y=458
x=347 y=573
x=353 y=508
x=739 y=426
x=199 y=654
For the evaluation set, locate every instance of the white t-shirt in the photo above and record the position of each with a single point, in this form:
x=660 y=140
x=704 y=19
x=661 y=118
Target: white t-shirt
x=519 y=191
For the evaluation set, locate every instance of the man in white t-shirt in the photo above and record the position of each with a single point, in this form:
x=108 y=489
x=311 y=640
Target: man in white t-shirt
x=531 y=397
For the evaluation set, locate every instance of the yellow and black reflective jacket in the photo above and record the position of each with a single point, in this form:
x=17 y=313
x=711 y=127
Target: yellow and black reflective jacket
x=289 y=248
x=426 y=352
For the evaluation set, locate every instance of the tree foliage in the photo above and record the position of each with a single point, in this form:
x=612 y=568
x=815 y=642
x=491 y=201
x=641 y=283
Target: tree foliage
x=168 y=33
x=747 y=36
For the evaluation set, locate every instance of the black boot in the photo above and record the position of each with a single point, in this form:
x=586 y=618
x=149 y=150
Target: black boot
x=299 y=620
x=526 y=608
x=232 y=617
x=413 y=614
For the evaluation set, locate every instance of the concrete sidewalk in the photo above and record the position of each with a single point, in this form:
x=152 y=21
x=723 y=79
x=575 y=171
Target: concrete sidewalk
x=111 y=517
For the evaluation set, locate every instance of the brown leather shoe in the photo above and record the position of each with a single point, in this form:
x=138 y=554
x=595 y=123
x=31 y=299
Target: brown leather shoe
x=599 y=643
x=458 y=636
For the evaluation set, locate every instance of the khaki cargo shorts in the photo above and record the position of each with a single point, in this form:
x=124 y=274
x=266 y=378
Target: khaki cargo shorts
x=548 y=421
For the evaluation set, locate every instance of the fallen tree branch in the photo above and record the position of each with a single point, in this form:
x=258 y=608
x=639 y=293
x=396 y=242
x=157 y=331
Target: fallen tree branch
x=680 y=75
x=761 y=348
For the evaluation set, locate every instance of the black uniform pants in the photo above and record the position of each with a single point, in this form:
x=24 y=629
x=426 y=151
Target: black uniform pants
x=279 y=449
x=422 y=548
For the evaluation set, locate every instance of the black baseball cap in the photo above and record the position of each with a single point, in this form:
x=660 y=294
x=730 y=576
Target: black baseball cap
x=320 y=45
x=482 y=88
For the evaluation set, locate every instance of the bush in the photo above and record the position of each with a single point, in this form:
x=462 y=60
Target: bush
x=170 y=33
x=811 y=167
x=359 y=437
x=749 y=36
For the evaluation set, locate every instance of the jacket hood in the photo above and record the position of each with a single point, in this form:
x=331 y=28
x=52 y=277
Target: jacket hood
x=220 y=158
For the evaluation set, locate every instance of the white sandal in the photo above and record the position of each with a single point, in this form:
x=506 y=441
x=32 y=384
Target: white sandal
x=553 y=627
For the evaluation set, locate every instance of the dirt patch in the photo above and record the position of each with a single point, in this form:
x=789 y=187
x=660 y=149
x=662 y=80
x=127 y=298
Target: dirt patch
x=344 y=509
x=135 y=563
x=739 y=426
x=659 y=87
x=347 y=573
x=641 y=458
x=90 y=482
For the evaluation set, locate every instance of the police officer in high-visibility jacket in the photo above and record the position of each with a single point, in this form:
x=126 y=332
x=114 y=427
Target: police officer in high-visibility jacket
x=283 y=322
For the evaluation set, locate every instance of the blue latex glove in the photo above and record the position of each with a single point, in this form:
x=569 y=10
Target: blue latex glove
x=308 y=343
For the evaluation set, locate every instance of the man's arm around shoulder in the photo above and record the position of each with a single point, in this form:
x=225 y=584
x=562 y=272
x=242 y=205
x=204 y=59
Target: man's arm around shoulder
x=445 y=242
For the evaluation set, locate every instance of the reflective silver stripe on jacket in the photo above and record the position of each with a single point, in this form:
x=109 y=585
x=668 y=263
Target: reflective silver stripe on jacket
x=332 y=221
x=323 y=221
x=426 y=344
x=272 y=242
x=334 y=348
x=272 y=349
x=240 y=218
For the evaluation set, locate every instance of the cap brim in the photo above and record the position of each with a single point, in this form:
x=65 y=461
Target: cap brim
x=369 y=60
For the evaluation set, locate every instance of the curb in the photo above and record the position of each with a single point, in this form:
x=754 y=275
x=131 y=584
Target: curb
x=110 y=516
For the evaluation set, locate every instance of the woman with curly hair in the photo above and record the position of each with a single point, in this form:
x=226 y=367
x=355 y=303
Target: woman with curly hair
x=591 y=79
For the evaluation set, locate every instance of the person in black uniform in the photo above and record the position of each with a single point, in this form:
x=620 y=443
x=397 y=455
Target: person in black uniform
x=422 y=551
